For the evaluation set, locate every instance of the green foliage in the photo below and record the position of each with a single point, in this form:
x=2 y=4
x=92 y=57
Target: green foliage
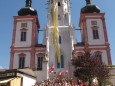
x=105 y=83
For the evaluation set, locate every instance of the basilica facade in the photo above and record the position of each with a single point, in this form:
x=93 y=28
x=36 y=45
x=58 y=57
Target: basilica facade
x=27 y=53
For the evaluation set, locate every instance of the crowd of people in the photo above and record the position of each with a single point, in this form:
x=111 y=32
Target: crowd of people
x=61 y=82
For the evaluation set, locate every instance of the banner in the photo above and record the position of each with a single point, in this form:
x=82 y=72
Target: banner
x=51 y=69
x=55 y=34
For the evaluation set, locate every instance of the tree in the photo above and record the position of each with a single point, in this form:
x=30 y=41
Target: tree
x=102 y=73
x=88 y=66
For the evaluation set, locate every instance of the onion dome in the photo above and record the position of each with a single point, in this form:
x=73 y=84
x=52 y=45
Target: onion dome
x=89 y=8
x=27 y=10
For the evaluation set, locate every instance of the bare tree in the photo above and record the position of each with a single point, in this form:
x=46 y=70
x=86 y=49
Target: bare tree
x=88 y=66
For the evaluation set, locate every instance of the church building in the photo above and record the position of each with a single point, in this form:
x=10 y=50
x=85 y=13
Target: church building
x=26 y=52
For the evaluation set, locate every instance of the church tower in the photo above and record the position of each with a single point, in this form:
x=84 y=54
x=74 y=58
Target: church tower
x=25 y=50
x=94 y=33
x=66 y=36
x=24 y=37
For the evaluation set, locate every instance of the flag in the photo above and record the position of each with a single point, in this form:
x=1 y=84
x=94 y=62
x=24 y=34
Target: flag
x=51 y=69
x=55 y=34
x=61 y=73
x=66 y=72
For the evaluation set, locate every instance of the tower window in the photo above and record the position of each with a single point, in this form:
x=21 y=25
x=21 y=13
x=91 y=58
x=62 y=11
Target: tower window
x=65 y=16
x=62 y=61
x=99 y=56
x=59 y=39
x=21 y=62
x=24 y=25
x=94 y=22
x=59 y=4
x=95 y=34
x=39 y=63
x=59 y=17
x=61 y=64
x=23 y=36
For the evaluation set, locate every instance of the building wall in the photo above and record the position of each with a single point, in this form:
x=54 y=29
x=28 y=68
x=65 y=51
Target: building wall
x=104 y=55
x=88 y=22
x=103 y=52
x=28 y=81
x=112 y=74
x=26 y=47
x=44 y=73
x=68 y=39
x=101 y=39
x=28 y=41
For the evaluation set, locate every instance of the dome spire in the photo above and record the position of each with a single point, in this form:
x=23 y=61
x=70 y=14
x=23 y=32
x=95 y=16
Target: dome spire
x=89 y=8
x=88 y=2
x=27 y=10
x=28 y=3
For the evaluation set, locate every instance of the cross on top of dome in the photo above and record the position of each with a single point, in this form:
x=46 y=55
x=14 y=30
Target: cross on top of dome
x=88 y=1
x=28 y=3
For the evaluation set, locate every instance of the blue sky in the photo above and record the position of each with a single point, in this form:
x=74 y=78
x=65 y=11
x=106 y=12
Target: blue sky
x=9 y=8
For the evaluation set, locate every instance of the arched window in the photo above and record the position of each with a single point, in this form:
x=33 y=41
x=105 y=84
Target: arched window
x=98 y=55
x=59 y=39
x=62 y=61
x=22 y=60
x=95 y=32
x=61 y=64
x=59 y=4
x=23 y=34
x=59 y=17
x=39 y=61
